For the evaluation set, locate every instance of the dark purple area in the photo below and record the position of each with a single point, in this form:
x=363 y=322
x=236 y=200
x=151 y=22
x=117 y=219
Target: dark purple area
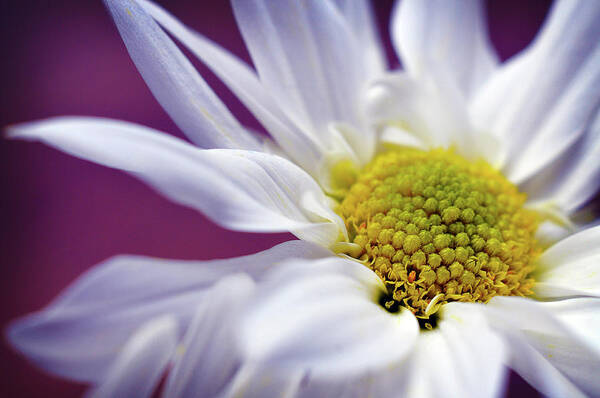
x=59 y=215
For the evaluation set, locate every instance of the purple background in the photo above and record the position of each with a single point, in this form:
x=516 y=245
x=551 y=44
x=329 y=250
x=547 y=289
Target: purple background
x=59 y=215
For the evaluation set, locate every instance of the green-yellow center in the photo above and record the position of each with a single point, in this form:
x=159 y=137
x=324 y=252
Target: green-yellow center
x=436 y=227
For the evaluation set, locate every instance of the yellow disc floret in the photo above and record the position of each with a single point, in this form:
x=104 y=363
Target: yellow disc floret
x=436 y=228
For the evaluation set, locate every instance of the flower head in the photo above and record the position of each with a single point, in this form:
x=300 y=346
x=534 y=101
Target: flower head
x=436 y=209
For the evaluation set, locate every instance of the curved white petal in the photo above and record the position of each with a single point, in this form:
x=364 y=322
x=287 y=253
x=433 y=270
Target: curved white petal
x=550 y=232
x=581 y=316
x=79 y=334
x=256 y=380
x=175 y=83
x=265 y=380
x=433 y=111
x=444 y=37
x=244 y=83
x=207 y=358
x=421 y=106
x=324 y=317
x=541 y=102
x=241 y=190
x=141 y=362
x=462 y=357
x=571 y=267
x=398 y=136
x=340 y=387
x=359 y=14
x=574 y=178
x=308 y=58
x=546 y=350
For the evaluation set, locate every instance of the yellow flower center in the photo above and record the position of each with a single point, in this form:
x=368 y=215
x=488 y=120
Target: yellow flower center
x=436 y=227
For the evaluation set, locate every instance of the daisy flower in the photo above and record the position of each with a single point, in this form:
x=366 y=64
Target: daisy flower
x=440 y=210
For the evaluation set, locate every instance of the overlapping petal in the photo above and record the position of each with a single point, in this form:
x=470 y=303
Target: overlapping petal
x=307 y=57
x=544 y=99
x=462 y=357
x=324 y=317
x=580 y=316
x=299 y=144
x=359 y=14
x=207 y=358
x=241 y=190
x=447 y=57
x=335 y=348
x=547 y=353
x=79 y=335
x=258 y=380
x=572 y=180
x=429 y=113
x=442 y=37
x=400 y=99
x=175 y=83
x=141 y=363
x=571 y=267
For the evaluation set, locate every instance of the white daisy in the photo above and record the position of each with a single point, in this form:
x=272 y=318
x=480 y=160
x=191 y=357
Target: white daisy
x=438 y=210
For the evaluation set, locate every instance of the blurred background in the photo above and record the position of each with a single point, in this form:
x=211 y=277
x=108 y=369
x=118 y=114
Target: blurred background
x=60 y=215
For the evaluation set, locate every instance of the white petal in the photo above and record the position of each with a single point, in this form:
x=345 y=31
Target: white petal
x=241 y=190
x=545 y=350
x=421 y=106
x=571 y=267
x=555 y=223
x=208 y=358
x=335 y=388
x=433 y=111
x=324 y=316
x=574 y=178
x=79 y=334
x=462 y=357
x=583 y=178
x=393 y=98
x=449 y=33
x=265 y=380
x=175 y=83
x=581 y=316
x=359 y=15
x=537 y=371
x=398 y=136
x=390 y=381
x=244 y=83
x=141 y=362
x=255 y=380
x=541 y=102
x=549 y=233
x=308 y=58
